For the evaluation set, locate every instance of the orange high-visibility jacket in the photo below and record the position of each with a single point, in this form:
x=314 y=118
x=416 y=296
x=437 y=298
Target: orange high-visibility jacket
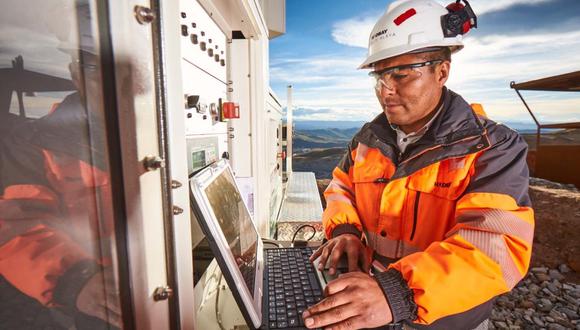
x=451 y=216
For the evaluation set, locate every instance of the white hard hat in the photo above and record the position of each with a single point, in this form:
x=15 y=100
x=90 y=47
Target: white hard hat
x=410 y=25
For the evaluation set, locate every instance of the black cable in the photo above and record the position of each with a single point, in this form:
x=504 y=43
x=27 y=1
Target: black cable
x=302 y=227
x=271 y=242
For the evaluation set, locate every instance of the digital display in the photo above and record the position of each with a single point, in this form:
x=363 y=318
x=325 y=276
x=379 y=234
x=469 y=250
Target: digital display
x=236 y=224
x=198 y=159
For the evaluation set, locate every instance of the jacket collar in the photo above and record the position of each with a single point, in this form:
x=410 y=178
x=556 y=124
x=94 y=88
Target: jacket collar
x=456 y=122
x=455 y=133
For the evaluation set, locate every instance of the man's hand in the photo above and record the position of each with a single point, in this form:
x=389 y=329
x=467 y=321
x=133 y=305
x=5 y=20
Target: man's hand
x=332 y=250
x=99 y=298
x=353 y=301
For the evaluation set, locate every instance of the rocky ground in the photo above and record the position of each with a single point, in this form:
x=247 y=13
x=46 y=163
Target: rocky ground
x=543 y=300
x=549 y=296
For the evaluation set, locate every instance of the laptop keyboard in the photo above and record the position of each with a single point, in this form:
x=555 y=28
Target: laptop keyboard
x=292 y=286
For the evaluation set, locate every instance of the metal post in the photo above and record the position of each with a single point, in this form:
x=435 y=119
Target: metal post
x=533 y=117
x=289 y=130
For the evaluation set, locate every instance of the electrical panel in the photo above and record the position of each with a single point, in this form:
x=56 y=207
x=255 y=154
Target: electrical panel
x=203 y=50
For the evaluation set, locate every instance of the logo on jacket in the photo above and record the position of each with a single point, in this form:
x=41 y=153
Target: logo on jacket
x=443 y=184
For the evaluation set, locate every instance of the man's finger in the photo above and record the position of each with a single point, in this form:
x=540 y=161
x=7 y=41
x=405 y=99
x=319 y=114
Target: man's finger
x=366 y=262
x=353 y=261
x=324 y=255
x=338 y=284
x=317 y=252
x=335 y=255
x=330 y=316
x=355 y=322
x=328 y=303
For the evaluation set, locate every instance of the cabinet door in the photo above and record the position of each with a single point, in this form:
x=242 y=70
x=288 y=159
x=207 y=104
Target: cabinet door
x=62 y=215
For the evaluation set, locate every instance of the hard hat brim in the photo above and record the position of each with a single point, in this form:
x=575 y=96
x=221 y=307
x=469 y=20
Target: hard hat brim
x=452 y=43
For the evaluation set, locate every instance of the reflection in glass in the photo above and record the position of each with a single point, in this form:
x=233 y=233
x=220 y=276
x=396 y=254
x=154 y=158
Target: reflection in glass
x=57 y=255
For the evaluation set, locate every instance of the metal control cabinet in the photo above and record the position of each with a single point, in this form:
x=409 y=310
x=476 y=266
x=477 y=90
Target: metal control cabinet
x=217 y=52
x=203 y=64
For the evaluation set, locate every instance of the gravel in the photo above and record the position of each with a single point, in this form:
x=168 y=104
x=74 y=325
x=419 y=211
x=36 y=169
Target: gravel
x=552 y=184
x=542 y=300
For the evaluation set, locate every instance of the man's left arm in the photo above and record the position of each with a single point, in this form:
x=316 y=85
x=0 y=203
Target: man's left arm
x=484 y=255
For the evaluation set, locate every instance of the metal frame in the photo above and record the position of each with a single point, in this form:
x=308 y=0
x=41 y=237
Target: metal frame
x=163 y=140
x=115 y=162
x=137 y=98
x=539 y=125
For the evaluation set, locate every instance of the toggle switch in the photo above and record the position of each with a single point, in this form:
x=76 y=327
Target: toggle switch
x=191 y=101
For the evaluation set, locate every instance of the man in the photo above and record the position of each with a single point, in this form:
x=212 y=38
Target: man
x=432 y=190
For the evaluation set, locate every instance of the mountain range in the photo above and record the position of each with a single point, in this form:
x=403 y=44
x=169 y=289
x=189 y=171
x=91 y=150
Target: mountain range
x=322 y=138
x=331 y=134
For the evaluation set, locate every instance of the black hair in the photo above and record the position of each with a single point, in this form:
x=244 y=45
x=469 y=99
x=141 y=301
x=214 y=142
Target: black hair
x=443 y=53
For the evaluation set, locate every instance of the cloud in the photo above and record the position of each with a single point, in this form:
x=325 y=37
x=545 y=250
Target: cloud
x=326 y=87
x=336 y=113
x=38 y=50
x=547 y=111
x=354 y=32
x=302 y=111
x=484 y=7
x=481 y=72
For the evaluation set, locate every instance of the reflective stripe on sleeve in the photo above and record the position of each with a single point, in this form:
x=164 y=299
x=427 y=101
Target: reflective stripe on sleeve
x=333 y=197
x=389 y=248
x=494 y=246
x=498 y=221
x=485 y=229
x=335 y=185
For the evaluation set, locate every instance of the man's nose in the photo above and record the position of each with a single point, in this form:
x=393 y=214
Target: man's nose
x=387 y=87
x=387 y=83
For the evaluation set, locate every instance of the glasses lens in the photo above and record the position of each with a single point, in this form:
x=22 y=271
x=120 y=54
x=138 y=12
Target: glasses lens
x=397 y=76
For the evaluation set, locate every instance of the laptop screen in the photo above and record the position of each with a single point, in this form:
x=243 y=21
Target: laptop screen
x=236 y=224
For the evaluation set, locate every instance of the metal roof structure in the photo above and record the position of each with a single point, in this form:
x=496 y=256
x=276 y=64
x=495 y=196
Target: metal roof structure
x=568 y=82
x=558 y=162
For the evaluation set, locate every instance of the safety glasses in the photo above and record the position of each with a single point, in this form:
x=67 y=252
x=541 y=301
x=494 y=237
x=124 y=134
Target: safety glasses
x=399 y=75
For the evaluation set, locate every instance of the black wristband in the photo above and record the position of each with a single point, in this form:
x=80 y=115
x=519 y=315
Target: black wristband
x=399 y=296
x=346 y=228
x=70 y=283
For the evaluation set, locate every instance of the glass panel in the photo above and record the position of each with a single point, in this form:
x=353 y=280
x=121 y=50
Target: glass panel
x=57 y=243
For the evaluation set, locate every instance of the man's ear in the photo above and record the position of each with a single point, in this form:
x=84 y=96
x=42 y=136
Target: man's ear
x=442 y=72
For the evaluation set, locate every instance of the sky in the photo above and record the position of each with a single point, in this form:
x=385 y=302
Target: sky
x=517 y=40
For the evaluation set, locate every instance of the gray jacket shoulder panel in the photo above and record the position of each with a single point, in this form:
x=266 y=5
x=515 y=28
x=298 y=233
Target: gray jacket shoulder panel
x=502 y=168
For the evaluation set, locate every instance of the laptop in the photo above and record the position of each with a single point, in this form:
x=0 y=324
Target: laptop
x=272 y=287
